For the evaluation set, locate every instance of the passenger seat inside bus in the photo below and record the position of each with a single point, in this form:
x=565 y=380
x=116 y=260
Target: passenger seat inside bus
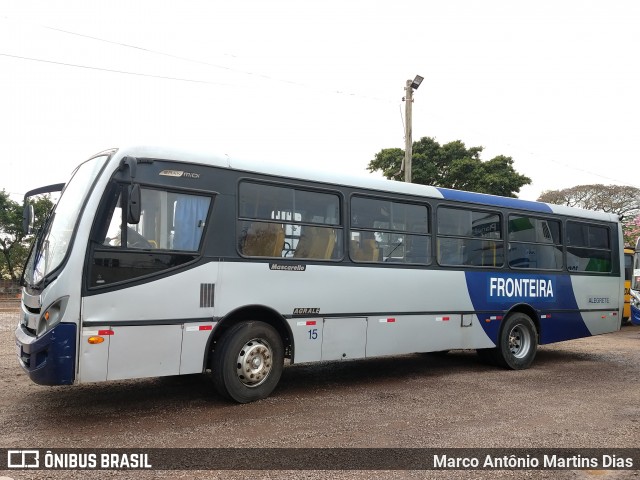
x=365 y=250
x=316 y=242
x=264 y=240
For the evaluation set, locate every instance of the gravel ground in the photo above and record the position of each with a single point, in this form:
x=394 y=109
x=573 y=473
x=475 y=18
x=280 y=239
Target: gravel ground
x=578 y=394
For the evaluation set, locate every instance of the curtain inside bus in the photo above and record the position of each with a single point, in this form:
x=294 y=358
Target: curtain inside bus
x=190 y=216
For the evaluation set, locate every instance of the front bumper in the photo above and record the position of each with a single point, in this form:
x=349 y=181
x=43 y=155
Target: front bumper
x=51 y=358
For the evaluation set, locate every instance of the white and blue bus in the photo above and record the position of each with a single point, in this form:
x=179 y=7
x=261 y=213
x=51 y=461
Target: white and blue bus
x=160 y=262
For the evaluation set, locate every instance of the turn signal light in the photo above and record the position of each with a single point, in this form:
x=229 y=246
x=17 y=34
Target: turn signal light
x=95 y=340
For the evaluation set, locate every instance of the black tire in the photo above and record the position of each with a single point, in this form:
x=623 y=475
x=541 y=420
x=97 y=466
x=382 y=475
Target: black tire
x=247 y=362
x=517 y=344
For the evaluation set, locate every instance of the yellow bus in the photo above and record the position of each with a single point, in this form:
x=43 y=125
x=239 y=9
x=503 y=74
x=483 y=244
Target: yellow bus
x=628 y=273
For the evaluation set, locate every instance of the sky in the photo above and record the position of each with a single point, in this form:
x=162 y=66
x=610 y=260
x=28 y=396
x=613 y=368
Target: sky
x=555 y=85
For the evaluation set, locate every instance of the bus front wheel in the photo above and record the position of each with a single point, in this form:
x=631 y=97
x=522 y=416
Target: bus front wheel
x=248 y=361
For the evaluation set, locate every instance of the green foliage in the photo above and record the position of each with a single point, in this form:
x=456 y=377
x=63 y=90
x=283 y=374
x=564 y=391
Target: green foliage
x=14 y=244
x=452 y=165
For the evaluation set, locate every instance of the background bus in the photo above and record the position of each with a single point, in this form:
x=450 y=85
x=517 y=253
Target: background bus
x=628 y=275
x=162 y=262
x=635 y=287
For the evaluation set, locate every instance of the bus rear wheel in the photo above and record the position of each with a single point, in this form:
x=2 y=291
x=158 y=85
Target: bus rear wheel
x=517 y=343
x=248 y=361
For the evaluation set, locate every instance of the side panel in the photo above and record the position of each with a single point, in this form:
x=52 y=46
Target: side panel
x=174 y=296
x=93 y=357
x=307 y=339
x=194 y=343
x=419 y=301
x=418 y=333
x=344 y=338
x=144 y=351
x=159 y=328
x=568 y=306
x=599 y=298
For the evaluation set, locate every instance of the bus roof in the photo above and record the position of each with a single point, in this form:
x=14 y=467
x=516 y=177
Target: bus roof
x=364 y=181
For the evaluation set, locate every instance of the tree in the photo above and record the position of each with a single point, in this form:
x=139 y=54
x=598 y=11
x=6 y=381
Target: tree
x=622 y=200
x=631 y=230
x=14 y=244
x=452 y=165
x=619 y=199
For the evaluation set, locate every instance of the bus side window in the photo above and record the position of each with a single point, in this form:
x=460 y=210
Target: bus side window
x=389 y=231
x=588 y=247
x=469 y=237
x=276 y=221
x=168 y=235
x=168 y=221
x=534 y=243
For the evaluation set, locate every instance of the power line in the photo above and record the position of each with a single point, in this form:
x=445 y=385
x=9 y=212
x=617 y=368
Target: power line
x=157 y=52
x=227 y=68
x=544 y=157
x=592 y=173
x=193 y=60
x=123 y=72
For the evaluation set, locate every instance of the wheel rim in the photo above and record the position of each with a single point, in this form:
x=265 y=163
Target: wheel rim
x=255 y=362
x=519 y=341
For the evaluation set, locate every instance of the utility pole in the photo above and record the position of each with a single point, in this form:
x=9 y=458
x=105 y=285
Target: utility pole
x=408 y=140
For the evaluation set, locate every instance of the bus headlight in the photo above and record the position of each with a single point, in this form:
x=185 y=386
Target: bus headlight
x=52 y=315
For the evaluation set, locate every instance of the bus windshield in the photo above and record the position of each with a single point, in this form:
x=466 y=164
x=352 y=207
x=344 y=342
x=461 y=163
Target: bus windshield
x=53 y=241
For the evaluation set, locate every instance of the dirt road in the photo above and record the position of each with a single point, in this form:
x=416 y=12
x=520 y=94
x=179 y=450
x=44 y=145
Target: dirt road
x=578 y=394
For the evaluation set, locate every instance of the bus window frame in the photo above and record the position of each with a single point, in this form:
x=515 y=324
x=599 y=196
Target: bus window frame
x=561 y=244
x=614 y=262
x=117 y=189
x=429 y=234
x=340 y=227
x=500 y=213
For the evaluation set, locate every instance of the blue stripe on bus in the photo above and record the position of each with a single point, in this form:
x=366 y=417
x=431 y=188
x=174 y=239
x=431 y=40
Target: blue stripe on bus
x=551 y=296
x=493 y=200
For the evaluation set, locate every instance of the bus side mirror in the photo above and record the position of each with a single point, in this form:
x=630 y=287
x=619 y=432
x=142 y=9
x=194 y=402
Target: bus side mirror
x=28 y=219
x=134 y=206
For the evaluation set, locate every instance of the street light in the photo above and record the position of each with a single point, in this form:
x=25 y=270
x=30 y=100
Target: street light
x=416 y=82
x=408 y=142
